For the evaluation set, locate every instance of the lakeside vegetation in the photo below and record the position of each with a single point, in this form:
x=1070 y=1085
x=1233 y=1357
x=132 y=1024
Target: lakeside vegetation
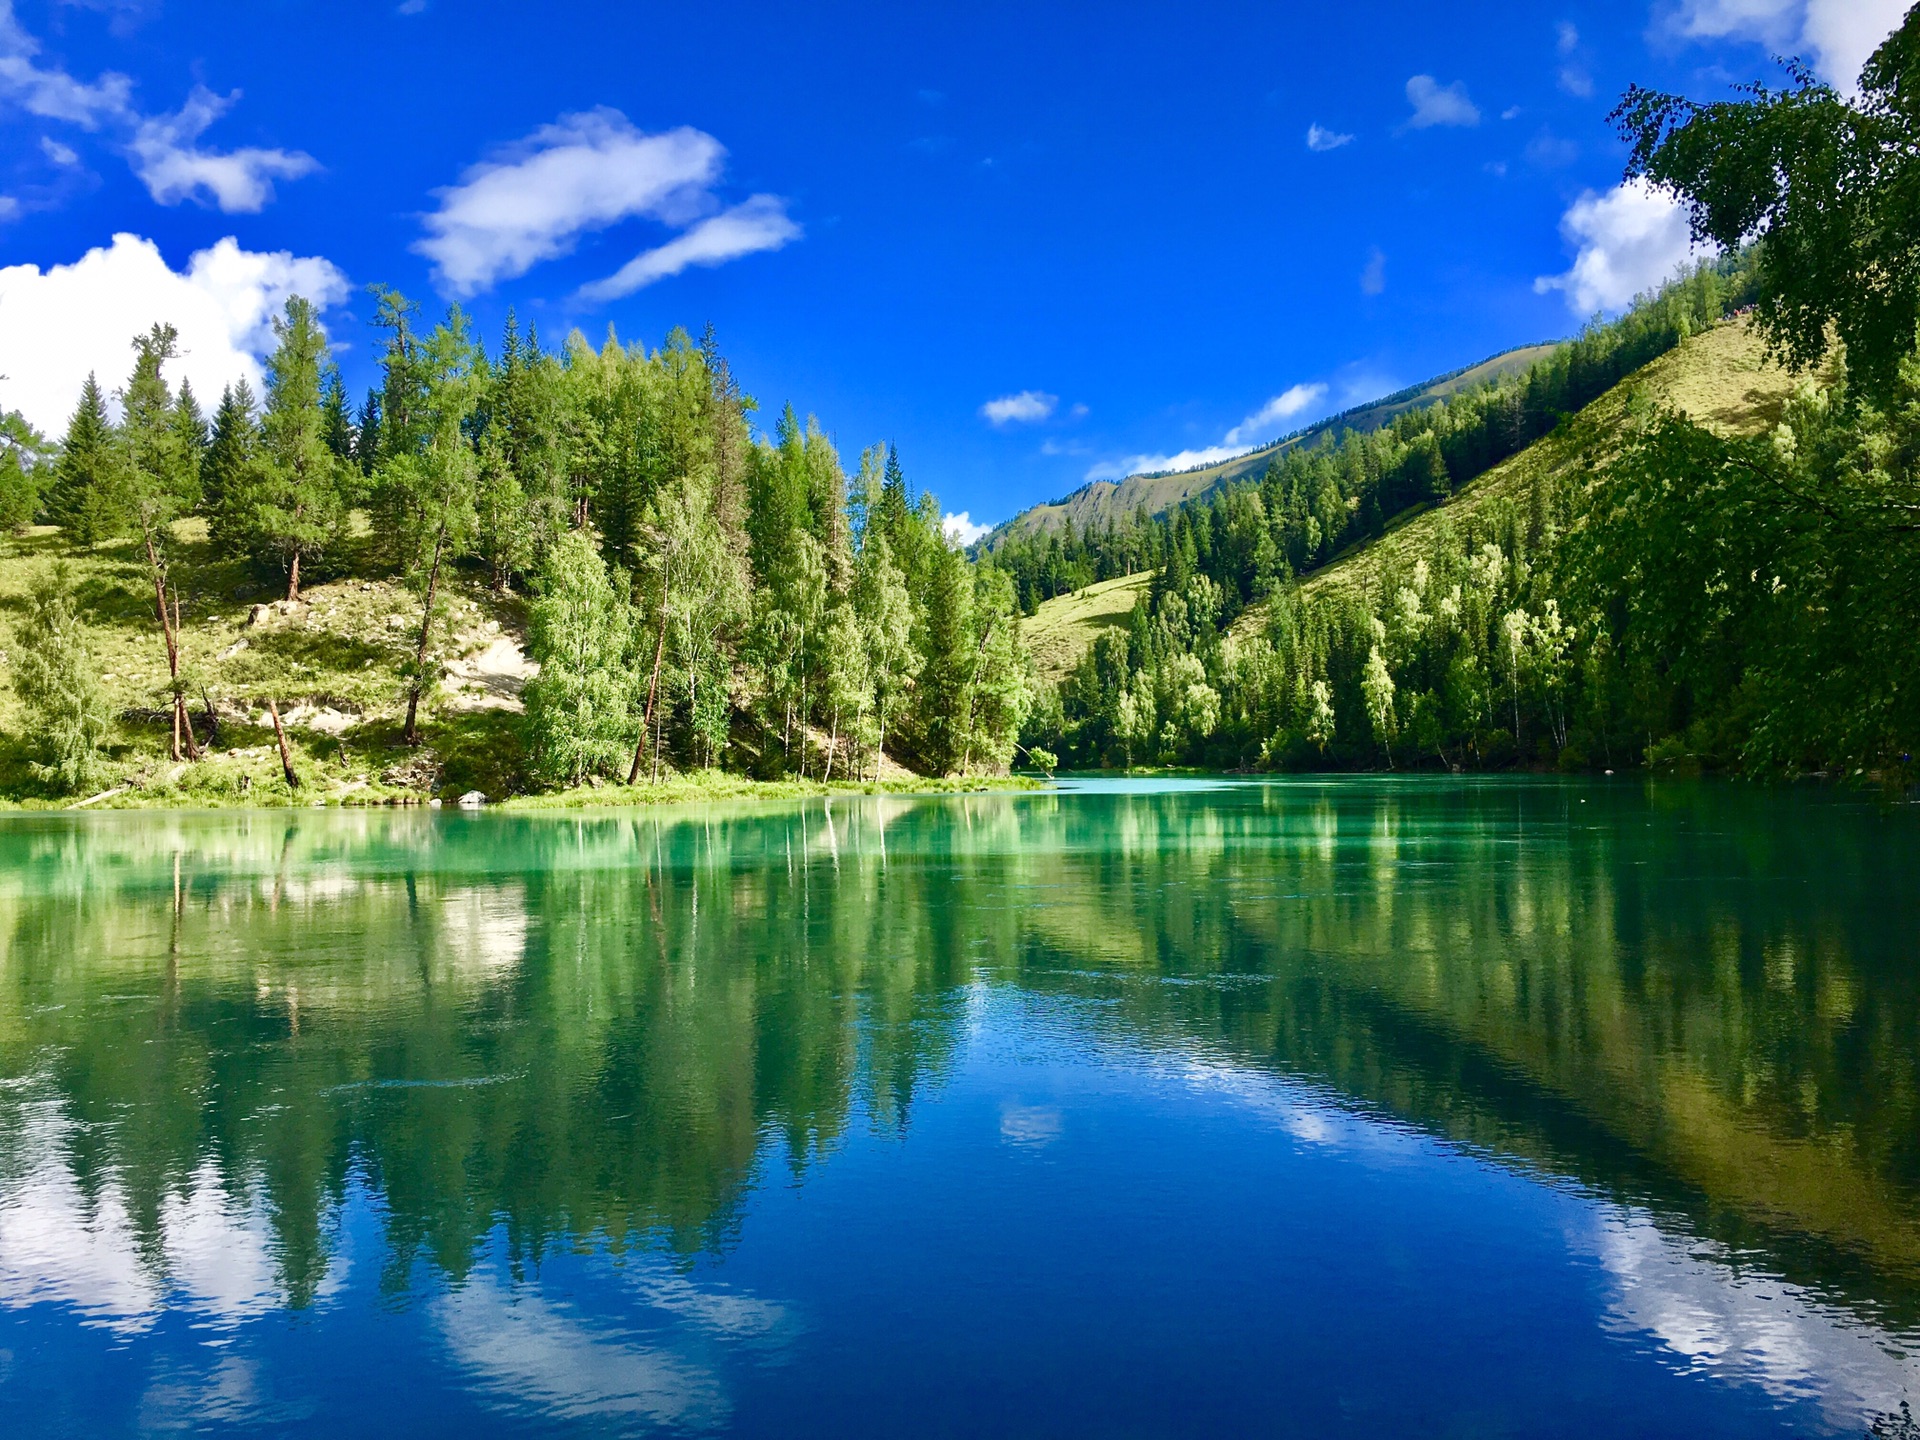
x=1656 y=591
x=517 y=572
x=528 y=572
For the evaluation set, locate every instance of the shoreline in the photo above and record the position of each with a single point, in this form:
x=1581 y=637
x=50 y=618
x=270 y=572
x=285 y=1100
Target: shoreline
x=680 y=790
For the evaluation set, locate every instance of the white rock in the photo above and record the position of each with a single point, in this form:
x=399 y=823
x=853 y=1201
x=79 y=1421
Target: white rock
x=472 y=800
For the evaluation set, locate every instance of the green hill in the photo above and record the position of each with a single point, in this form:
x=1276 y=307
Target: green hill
x=1719 y=377
x=1065 y=627
x=1102 y=500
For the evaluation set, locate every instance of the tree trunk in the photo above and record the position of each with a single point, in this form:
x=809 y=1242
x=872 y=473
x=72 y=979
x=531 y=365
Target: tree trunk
x=426 y=630
x=653 y=691
x=166 y=630
x=293 y=581
x=286 y=758
x=179 y=696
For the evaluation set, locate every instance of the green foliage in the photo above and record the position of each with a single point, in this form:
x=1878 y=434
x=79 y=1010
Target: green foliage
x=1313 y=503
x=57 y=686
x=84 y=498
x=580 y=707
x=1832 y=187
x=298 y=489
x=24 y=453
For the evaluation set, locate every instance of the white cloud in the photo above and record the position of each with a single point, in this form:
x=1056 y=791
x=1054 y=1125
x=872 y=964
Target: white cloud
x=1373 y=279
x=59 y=154
x=1160 y=464
x=173 y=168
x=534 y=200
x=1574 y=78
x=1835 y=36
x=1437 y=104
x=52 y=94
x=1627 y=241
x=961 y=530
x=160 y=148
x=1287 y=405
x=9 y=208
x=1026 y=408
x=1321 y=139
x=58 y=324
x=757 y=225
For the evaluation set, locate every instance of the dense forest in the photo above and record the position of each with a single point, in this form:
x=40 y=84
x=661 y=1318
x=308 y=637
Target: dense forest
x=693 y=586
x=1737 y=602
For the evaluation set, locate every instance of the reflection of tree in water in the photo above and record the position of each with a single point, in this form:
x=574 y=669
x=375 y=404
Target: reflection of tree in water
x=1703 y=1004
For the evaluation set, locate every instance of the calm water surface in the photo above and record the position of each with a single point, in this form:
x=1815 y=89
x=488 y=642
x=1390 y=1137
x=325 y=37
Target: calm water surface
x=1355 y=1108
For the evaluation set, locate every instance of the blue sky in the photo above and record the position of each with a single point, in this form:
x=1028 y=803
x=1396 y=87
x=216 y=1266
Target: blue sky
x=1028 y=244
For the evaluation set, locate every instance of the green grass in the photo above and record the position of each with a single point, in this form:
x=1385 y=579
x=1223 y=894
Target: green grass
x=711 y=785
x=1064 y=628
x=340 y=650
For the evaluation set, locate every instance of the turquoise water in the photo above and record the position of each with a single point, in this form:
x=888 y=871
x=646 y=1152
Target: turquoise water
x=1359 y=1107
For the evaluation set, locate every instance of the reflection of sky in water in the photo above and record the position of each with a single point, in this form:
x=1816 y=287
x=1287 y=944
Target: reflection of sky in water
x=1105 y=1191
x=1708 y=1316
x=63 y=1244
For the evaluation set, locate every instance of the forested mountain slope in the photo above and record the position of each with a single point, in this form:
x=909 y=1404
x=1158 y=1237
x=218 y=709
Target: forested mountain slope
x=1102 y=501
x=1719 y=378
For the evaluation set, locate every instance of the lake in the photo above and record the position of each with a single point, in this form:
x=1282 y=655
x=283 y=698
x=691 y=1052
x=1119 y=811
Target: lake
x=1357 y=1107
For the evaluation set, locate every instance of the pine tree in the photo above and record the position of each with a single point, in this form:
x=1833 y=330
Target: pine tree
x=300 y=486
x=886 y=616
x=65 y=718
x=23 y=455
x=227 y=469
x=579 y=707
x=86 y=497
x=337 y=424
x=190 y=432
x=159 y=486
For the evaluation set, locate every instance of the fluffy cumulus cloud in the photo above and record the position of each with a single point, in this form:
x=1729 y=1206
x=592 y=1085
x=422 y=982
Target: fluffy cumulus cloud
x=1437 y=104
x=1626 y=241
x=535 y=200
x=59 y=324
x=961 y=529
x=1834 y=36
x=1289 y=404
x=1320 y=139
x=162 y=149
x=1029 y=407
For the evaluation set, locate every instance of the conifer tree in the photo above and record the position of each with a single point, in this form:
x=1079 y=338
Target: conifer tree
x=300 y=487
x=579 y=707
x=337 y=424
x=159 y=487
x=85 y=498
x=23 y=455
x=227 y=470
x=55 y=679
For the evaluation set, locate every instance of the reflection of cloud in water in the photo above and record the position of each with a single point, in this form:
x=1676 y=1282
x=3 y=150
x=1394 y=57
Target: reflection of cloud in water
x=1750 y=1328
x=58 y=1246
x=1738 y=1326
x=230 y=1391
x=528 y=1350
x=1308 y=1114
x=483 y=930
x=724 y=1313
x=1031 y=1127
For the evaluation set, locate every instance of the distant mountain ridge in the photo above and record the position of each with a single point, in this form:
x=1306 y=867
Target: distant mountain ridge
x=1099 y=501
